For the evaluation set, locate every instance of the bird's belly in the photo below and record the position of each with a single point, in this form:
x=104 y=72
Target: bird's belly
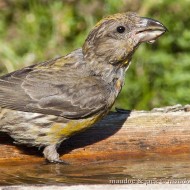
x=36 y=129
x=59 y=130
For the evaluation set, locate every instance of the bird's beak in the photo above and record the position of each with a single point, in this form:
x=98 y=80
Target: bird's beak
x=148 y=30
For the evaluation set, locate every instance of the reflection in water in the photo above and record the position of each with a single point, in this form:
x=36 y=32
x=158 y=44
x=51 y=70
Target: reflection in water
x=149 y=167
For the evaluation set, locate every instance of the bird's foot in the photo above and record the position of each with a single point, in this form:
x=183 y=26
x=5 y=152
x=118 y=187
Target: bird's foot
x=120 y=110
x=51 y=155
x=57 y=162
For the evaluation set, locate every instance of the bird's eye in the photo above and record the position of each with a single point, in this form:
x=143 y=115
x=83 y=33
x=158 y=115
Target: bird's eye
x=120 y=29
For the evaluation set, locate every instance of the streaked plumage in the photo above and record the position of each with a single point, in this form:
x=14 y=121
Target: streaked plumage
x=46 y=103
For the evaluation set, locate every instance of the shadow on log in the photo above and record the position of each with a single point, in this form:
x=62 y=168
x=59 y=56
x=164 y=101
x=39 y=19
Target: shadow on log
x=118 y=136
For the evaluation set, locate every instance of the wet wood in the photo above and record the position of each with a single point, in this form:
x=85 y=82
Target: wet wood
x=154 y=167
x=118 y=136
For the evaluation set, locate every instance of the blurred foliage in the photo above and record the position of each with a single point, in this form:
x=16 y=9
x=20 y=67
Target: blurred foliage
x=37 y=30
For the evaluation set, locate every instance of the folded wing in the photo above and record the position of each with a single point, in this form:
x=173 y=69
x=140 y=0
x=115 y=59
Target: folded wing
x=53 y=91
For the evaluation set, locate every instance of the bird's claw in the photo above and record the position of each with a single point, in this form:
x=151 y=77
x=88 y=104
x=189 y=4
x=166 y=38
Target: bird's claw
x=57 y=162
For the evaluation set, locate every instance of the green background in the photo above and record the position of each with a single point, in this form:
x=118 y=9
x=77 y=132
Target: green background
x=34 y=31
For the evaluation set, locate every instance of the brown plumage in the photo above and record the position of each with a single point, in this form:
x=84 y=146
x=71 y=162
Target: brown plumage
x=46 y=103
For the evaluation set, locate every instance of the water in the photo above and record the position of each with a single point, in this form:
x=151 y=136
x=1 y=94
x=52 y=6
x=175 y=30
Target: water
x=151 y=166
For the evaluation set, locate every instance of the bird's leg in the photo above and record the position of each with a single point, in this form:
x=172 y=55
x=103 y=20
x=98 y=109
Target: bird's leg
x=51 y=155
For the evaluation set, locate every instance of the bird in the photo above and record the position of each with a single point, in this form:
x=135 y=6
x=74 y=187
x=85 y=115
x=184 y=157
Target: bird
x=46 y=103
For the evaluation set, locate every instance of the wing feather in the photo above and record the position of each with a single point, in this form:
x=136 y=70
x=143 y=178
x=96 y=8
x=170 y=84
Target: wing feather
x=63 y=91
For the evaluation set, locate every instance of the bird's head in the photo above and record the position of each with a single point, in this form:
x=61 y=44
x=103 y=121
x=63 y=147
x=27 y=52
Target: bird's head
x=114 y=39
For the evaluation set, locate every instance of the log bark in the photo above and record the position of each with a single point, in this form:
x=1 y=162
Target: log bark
x=119 y=135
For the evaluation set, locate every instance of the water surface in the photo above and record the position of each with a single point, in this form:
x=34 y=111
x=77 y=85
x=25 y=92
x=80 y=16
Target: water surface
x=101 y=172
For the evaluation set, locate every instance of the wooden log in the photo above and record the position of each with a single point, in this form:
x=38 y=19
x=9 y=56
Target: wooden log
x=118 y=136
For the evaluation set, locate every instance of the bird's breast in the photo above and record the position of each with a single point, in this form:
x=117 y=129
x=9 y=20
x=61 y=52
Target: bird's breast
x=119 y=85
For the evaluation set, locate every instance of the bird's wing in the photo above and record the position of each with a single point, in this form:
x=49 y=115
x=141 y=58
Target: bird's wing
x=53 y=90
